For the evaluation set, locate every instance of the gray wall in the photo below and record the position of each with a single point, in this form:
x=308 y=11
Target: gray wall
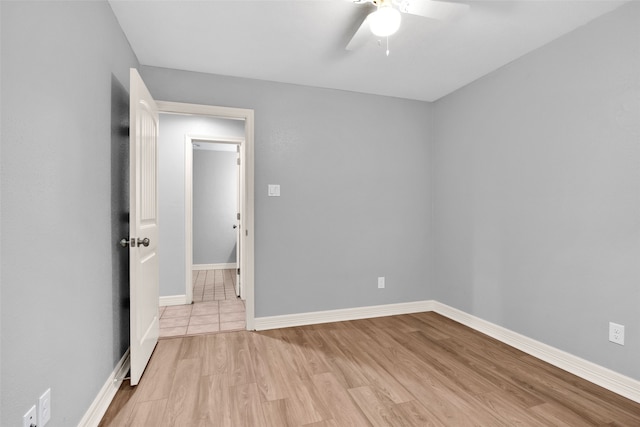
x=355 y=174
x=537 y=206
x=64 y=142
x=171 y=197
x=215 y=205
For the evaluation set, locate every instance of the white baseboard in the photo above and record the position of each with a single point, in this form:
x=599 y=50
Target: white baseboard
x=172 y=300
x=101 y=403
x=300 y=319
x=604 y=377
x=223 y=266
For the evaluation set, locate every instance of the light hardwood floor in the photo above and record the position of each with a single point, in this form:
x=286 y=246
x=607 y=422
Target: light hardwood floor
x=410 y=370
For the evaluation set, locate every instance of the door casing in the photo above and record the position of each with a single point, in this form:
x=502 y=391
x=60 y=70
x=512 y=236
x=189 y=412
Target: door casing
x=247 y=200
x=188 y=194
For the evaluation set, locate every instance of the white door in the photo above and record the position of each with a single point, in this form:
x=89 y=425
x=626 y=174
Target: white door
x=239 y=229
x=143 y=225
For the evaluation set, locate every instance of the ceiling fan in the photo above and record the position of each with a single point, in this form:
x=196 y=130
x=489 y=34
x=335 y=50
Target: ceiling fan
x=385 y=16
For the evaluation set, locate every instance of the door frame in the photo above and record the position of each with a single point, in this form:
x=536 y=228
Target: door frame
x=188 y=202
x=247 y=205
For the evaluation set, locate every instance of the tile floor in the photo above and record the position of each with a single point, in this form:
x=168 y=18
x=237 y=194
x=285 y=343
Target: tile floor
x=215 y=307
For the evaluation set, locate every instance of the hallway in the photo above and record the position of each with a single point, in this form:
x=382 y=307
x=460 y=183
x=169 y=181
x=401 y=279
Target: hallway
x=215 y=307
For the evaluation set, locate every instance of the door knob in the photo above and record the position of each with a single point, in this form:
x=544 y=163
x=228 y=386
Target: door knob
x=124 y=242
x=143 y=242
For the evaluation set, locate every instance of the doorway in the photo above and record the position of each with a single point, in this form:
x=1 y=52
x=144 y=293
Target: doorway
x=245 y=238
x=213 y=204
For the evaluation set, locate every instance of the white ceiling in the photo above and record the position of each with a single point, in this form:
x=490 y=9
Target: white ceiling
x=302 y=42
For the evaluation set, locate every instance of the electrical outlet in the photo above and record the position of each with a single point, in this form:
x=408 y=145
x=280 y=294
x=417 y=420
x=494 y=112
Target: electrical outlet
x=380 y=282
x=616 y=333
x=30 y=418
x=44 y=408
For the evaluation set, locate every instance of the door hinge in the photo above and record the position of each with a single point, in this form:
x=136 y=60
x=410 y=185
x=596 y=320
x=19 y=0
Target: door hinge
x=238 y=272
x=238 y=161
x=238 y=216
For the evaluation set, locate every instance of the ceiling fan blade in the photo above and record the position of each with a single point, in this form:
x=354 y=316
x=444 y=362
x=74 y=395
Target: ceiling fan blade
x=361 y=35
x=440 y=10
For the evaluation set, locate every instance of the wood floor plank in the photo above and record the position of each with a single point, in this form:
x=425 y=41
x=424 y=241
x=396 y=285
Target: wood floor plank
x=377 y=377
x=150 y=413
x=498 y=374
x=292 y=354
x=216 y=358
x=344 y=410
x=447 y=364
x=312 y=358
x=345 y=370
x=278 y=413
x=556 y=385
x=500 y=404
x=160 y=371
x=214 y=401
x=240 y=366
x=246 y=408
x=414 y=413
x=324 y=423
x=594 y=390
x=319 y=357
x=193 y=347
x=428 y=324
x=375 y=409
x=557 y=415
x=181 y=404
x=411 y=370
x=451 y=407
x=121 y=406
x=267 y=366
x=303 y=403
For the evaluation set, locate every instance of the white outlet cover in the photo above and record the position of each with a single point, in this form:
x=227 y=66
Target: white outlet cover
x=30 y=418
x=616 y=333
x=380 y=282
x=44 y=408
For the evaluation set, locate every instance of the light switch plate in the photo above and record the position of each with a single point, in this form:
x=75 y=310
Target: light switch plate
x=30 y=418
x=274 y=190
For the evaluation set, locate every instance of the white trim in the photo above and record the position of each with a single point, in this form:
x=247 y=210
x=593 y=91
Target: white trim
x=340 y=315
x=101 y=403
x=220 y=266
x=231 y=140
x=188 y=202
x=188 y=218
x=604 y=377
x=247 y=250
x=172 y=300
x=247 y=163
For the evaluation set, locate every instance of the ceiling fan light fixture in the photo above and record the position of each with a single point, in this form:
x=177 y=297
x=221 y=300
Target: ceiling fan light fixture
x=385 y=21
